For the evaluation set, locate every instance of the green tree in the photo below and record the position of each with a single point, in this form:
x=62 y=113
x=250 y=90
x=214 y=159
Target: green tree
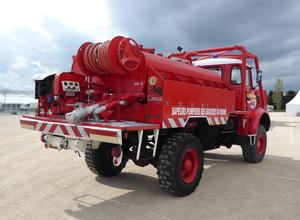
x=288 y=97
x=277 y=94
x=270 y=98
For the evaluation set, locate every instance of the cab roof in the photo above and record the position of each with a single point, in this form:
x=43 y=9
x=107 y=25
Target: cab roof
x=216 y=61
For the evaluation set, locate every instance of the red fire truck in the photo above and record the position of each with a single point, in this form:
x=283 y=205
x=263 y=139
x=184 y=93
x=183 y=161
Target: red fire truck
x=122 y=101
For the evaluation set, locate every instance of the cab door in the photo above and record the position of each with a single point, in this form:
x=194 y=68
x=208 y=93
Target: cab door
x=235 y=80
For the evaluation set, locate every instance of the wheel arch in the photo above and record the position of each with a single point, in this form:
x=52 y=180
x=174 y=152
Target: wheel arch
x=260 y=116
x=265 y=121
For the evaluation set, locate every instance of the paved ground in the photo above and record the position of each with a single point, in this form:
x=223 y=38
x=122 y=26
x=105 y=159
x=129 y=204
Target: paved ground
x=36 y=183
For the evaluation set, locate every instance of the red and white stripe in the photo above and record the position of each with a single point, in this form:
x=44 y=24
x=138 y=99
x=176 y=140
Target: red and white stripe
x=110 y=135
x=173 y=123
x=218 y=120
x=181 y=122
x=62 y=129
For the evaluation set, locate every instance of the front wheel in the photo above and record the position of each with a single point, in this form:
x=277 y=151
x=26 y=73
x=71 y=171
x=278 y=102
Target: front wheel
x=180 y=164
x=256 y=153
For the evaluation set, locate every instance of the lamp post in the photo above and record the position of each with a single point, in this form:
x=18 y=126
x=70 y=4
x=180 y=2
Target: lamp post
x=5 y=91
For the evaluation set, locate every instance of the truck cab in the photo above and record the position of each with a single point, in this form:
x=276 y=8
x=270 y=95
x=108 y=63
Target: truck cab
x=230 y=71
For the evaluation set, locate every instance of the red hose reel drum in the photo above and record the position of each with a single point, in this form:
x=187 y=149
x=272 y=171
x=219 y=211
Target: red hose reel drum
x=114 y=56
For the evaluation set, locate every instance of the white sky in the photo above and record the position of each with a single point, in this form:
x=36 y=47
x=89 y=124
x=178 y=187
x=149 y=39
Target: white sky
x=41 y=36
x=36 y=33
x=87 y=16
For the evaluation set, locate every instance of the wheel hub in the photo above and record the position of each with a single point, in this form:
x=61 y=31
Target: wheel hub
x=190 y=165
x=117 y=155
x=187 y=165
x=260 y=146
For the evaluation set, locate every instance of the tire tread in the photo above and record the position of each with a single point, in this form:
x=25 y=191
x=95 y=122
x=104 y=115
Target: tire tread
x=167 y=161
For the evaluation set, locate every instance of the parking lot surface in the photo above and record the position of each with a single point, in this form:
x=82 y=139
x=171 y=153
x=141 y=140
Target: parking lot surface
x=37 y=183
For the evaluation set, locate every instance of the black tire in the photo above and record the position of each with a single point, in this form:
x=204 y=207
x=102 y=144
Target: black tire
x=99 y=161
x=169 y=164
x=256 y=153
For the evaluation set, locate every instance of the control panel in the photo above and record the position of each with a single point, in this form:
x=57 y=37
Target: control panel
x=70 y=86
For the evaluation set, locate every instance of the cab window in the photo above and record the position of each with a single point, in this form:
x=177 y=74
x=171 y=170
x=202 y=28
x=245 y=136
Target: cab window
x=236 y=75
x=249 y=78
x=216 y=69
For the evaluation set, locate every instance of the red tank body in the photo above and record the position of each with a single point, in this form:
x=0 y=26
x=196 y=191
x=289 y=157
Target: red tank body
x=129 y=73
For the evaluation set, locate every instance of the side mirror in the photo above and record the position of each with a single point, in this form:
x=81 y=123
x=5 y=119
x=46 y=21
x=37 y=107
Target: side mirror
x=259 y=77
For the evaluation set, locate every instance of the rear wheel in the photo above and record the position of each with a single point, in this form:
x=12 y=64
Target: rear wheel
x=180 y=164
x=256 y=153
x=100 y=161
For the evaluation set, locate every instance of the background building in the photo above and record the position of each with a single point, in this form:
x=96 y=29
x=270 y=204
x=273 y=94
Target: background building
x=14 y=102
